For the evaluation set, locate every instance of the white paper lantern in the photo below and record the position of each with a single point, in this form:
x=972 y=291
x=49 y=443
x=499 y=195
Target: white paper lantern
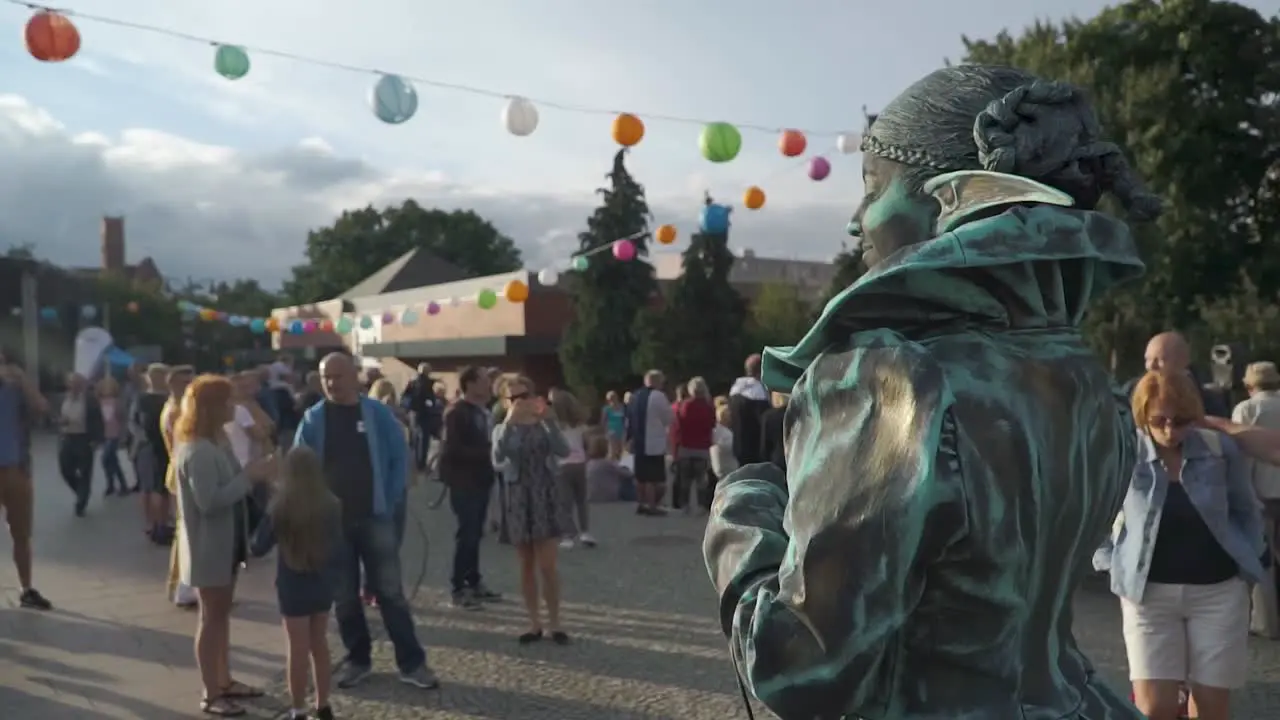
x=548 y=277
x=455 y=301
x=848 y=143
x=520 y=117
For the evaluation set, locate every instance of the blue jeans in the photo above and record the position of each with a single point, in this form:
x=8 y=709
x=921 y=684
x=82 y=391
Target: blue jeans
x=470 y=503
x=372 y=544
x=111 y=464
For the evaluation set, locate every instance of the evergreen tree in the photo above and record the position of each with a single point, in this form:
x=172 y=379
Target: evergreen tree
x=609 y=294
x=848 y=264
x=699 y=329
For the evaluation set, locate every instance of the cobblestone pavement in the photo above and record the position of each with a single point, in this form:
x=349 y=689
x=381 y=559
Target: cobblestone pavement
x=639 y=607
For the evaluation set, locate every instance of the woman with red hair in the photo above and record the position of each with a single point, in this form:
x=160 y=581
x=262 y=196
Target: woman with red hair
x=211 y=490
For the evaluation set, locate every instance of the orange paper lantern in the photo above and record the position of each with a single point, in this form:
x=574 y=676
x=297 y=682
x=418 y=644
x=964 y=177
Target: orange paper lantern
x=792 y=143
x=753 y=198
x=666 y=234
x=273 y=325
x=52 y=37
x=208 y=314
x=627 y=129
x=516 y=291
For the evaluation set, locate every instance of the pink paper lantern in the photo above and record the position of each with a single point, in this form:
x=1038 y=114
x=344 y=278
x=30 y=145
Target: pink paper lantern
x=624 y=250
x=433 y=308
x=819 y=168
x=310 y=326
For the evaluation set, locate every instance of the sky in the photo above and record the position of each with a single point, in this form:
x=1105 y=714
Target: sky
x=221 y=179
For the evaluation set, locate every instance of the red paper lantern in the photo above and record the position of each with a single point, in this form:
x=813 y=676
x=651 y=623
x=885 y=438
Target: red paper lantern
x=792 y=143
x=52 y=37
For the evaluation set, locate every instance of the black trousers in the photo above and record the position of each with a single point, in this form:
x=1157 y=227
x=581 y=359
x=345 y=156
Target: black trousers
x=75 y=462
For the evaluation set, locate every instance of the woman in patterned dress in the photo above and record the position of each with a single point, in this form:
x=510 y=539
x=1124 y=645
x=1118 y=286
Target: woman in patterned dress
x=526 y=449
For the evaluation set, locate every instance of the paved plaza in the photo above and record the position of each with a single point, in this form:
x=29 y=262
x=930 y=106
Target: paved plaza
x=639 y=607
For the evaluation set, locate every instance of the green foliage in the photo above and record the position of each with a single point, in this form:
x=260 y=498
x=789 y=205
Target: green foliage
x=1247 y=317
x=779 y=316
x=849 y=268
x=361 y=242
x=698 y=329
x=609 y=295
x=1189 y=88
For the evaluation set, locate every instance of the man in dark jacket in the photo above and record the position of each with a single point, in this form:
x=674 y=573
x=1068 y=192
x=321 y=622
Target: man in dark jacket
x=466 y=466
x=773 y=430
x=748 y=401
x=426 y=411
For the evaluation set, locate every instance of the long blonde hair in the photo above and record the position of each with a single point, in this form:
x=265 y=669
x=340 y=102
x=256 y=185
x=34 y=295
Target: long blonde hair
x=383 y=391
x=567 y=408
x=303 y=512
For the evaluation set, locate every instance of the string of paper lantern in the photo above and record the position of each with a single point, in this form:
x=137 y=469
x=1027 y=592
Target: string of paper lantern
x=52 y=36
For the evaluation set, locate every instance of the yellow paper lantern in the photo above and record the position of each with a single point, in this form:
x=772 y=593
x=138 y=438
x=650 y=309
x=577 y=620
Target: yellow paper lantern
x=753 y=198
x=516 y=291
x=273 y=325
x=208 y=315
x=666 y=234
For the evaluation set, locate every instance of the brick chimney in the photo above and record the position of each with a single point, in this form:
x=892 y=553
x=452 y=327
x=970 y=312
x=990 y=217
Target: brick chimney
x=113 y=245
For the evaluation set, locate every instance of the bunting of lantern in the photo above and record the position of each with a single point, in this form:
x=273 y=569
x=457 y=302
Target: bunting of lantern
x=666 y=234
x=628 y=130
x=520 y=117
x=51 y=37
x=548 y=277
x=231 y=62
x=720 y=142
x=848 y=143
x=393 y=99
x=792 y=143
x=819 y=168
x=753 y=198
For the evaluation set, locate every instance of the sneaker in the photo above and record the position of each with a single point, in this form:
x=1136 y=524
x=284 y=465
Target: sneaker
x=567 y=544
x=323 y=713
x=423 y=677
x=352 y=675
x=587 y=540
x=466 y=600
x=484 y=594
x=31 y=598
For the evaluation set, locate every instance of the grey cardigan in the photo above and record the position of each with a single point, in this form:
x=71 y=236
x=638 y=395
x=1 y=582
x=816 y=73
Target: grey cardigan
x=211 y=485
x=506 y=446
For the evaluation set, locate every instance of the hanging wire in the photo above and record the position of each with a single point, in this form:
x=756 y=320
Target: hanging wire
x=426 y=82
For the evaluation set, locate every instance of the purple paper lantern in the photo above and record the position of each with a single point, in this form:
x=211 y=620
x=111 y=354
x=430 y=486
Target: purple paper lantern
x=433 y=308
x=819 y=168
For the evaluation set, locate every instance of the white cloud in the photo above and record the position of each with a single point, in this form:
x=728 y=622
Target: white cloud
x=209 y=211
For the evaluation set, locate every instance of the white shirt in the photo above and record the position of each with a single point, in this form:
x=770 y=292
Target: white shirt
x=577 y=449
x=1263 y=410
x=237 y=435
x=723 y=461
x=280 y=375
x=657 y=418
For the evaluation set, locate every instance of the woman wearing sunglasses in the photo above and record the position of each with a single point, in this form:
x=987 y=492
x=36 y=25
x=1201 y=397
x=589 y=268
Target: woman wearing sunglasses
x=1182 y=554
x=527 y=448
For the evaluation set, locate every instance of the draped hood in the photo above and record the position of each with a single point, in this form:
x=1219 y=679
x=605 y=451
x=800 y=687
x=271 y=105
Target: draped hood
x=1028 y=267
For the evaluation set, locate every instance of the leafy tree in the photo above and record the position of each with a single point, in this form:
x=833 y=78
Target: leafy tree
x=1189 y=88
x=849 y=267
x=360 y=242
x=779 y=316
x=698 y=330
x=22 y=251
x=609 y=294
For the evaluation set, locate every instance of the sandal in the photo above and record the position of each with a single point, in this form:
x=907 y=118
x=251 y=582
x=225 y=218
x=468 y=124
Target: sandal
x=530 y=637
x=239 y=691
x=221 y=706
x=560 y=637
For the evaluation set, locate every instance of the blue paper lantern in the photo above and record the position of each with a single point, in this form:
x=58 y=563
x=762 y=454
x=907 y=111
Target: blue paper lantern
x=258 y=326
x=393 y=99
x=49 y=314
x=366 y=322
x=296 y=327
x=714 y=219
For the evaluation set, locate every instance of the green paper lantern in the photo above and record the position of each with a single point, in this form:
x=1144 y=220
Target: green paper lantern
x=580 y=263
x=487 y=299
x=344 y=325
x=231 y=62
x=720 y=142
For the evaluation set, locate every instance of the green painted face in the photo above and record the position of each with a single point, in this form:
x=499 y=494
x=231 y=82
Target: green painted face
x=891 y=215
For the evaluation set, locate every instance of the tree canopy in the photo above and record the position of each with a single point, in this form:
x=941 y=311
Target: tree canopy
x=361 y=242
x=609 y=294
x=698 y=329
x=1190 y=89
x=779 y=316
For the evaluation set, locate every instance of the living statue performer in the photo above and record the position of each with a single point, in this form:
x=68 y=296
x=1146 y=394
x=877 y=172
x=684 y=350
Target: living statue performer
x=955 y=453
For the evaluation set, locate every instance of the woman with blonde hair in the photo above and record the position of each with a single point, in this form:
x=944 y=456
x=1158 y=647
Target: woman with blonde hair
x=211 y=490
x=526 y=446
x=1182 y=554
x=572 y=473
x=115 y=424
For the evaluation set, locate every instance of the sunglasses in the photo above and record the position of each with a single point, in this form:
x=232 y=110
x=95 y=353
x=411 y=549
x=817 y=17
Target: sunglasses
x=520 y=396
x=1167 y=423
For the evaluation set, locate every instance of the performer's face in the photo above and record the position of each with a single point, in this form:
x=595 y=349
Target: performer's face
x=891 y=215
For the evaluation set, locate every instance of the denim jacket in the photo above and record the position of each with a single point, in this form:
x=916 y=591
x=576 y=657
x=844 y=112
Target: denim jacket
x=1215 y=477
x=388 y=450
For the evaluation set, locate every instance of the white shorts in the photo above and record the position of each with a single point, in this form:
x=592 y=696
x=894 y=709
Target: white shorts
x=1192 y=633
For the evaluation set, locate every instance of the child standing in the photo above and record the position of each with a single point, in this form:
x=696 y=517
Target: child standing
x=304 y=518
x=614 y=419
x=723 y=460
